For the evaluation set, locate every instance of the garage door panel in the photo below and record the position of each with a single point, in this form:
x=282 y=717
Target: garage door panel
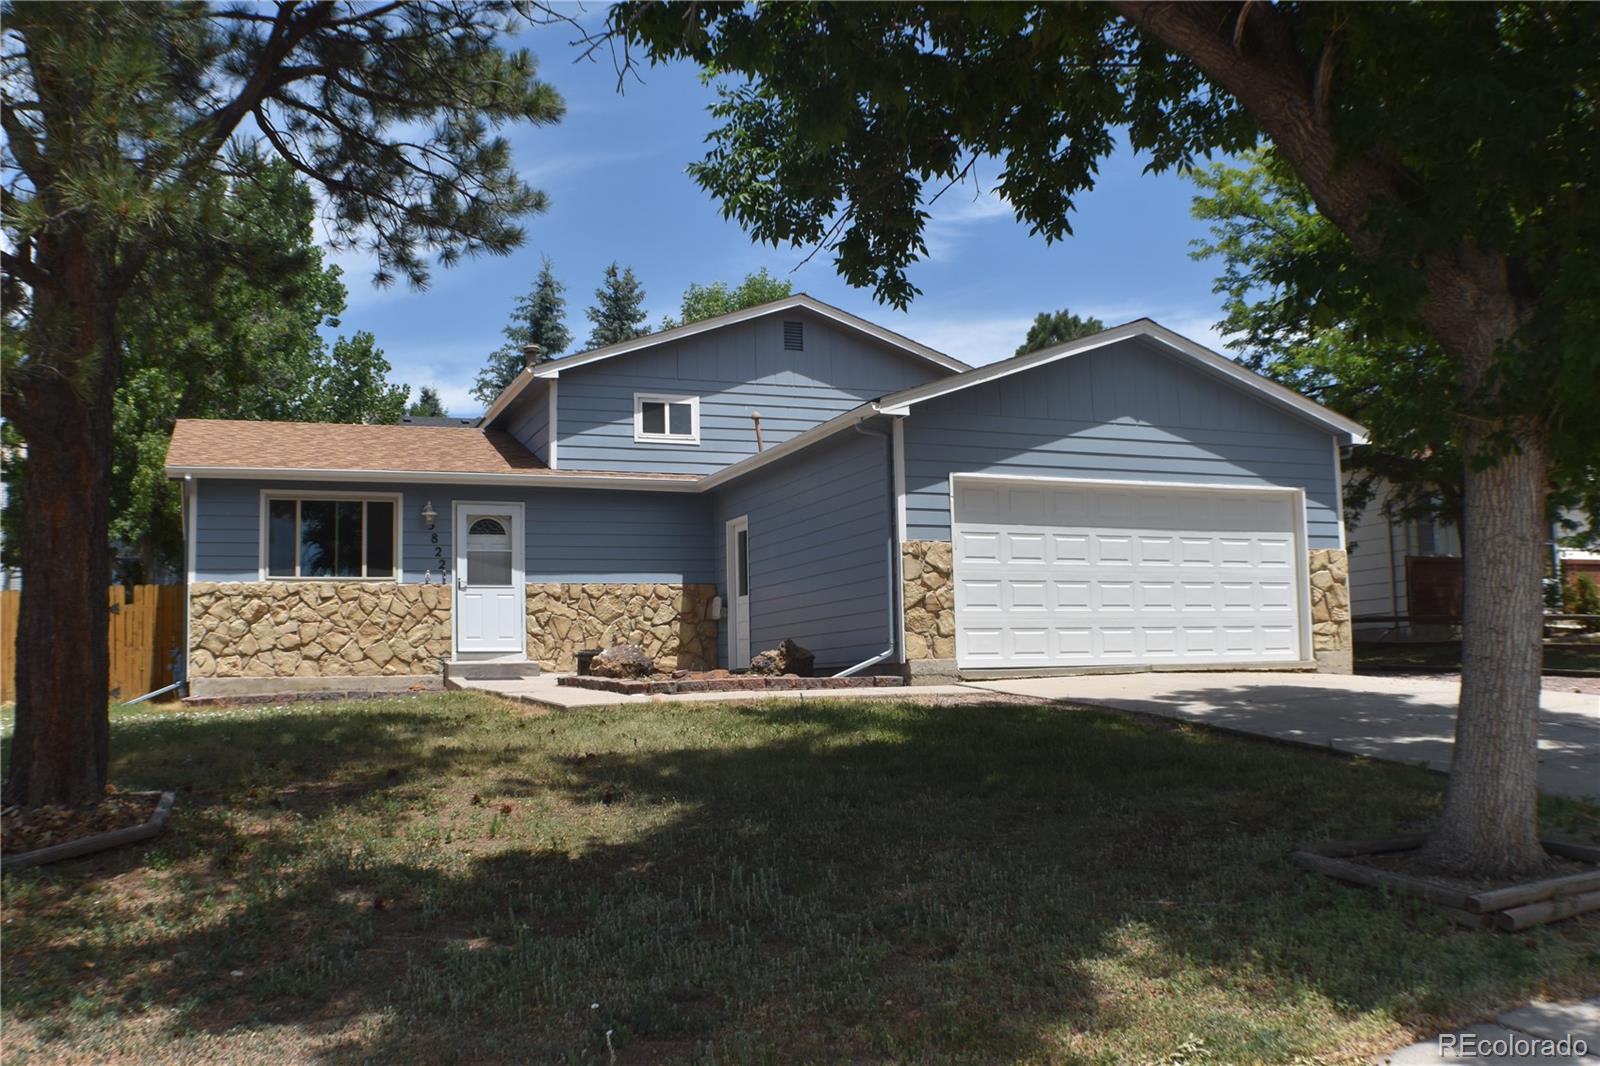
x=1046 y=575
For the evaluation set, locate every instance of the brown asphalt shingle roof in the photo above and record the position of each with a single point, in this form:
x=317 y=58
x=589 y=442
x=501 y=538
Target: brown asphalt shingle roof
x=222 y=444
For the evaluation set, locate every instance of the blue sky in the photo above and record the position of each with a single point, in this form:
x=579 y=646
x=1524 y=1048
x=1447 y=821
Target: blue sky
x=614 y=172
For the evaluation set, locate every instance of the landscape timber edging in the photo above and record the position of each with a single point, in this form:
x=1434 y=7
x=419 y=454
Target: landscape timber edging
x=1510 y=908
x=630 y=687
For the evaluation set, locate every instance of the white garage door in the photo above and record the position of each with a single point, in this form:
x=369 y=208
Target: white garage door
x=1082 y=574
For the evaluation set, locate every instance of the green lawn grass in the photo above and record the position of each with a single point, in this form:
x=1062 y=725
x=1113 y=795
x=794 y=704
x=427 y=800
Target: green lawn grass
x=782 y=882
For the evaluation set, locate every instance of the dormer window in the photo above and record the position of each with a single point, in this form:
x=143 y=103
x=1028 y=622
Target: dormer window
x=666 y=419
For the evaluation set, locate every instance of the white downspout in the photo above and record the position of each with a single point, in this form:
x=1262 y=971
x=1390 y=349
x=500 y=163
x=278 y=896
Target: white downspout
x=893 y=568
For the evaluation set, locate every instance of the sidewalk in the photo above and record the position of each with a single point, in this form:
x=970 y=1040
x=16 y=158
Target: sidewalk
x=1572 y=1022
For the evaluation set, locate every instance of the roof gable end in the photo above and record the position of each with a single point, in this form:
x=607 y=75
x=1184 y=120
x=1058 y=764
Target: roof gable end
x=799 y=301
x=1146 y=329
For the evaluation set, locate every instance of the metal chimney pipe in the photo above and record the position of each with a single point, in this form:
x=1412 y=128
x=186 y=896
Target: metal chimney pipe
x=530 y=354
x=755 y=416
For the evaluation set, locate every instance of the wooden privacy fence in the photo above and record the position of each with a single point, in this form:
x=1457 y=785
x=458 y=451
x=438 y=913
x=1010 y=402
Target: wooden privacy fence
x=145 y=635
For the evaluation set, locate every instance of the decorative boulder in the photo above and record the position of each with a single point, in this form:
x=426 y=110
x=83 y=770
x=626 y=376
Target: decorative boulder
x=623 y=660
x=786 y=658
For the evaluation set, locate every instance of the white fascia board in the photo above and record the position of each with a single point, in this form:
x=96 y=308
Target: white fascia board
x=836 y=424
x=901 y=402
x=523 y=379
x=554 y=367
x=441 y=477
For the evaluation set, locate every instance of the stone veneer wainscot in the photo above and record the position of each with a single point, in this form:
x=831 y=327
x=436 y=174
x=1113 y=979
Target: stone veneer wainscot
x=317 y=629
x=671 y=622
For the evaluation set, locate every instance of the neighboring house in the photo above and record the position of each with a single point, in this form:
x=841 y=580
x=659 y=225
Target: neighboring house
x=1129 y=499
x=1405 y=573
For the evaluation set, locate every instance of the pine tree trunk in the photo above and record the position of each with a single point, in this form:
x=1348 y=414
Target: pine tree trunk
x=61 y=748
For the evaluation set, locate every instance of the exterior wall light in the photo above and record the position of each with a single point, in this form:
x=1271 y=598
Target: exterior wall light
x=429 y=514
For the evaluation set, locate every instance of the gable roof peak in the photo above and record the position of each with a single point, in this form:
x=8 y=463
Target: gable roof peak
x=554 y=368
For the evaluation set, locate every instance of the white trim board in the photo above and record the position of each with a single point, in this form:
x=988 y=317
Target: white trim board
x=550 y=430
x=436 y=477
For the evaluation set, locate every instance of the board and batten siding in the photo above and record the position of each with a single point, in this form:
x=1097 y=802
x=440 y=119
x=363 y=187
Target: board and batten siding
x=820 y=535
x=572 y=535
x=1129 y=412
x=528 y=420
x=734 y=371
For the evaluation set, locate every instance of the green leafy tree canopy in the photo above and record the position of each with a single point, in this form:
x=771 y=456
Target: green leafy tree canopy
x=720 y=298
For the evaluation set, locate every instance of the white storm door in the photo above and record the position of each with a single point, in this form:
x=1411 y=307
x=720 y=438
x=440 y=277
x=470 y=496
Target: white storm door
x=738 y=547
x=1053 y=573
x=489 y=586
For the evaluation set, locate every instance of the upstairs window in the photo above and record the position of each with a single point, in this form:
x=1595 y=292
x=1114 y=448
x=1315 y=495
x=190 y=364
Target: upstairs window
x=666 y=419
x=794 y=336
x=330 y=537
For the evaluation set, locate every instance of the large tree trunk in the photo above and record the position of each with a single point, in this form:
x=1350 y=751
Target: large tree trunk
x=1490 y=825
x=60 y=751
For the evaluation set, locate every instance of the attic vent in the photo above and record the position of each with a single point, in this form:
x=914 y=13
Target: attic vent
x=794 y=336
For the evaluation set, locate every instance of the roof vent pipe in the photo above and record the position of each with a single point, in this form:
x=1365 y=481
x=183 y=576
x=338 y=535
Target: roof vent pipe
x=755 y=416
x=531 y=354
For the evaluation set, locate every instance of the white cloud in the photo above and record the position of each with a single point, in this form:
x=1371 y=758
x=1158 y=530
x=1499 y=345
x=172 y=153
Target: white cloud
x=449 y=369
x=974 y=339
x=960 y=213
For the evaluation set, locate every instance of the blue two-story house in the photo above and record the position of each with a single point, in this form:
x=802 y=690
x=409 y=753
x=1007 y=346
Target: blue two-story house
x=1129 y=499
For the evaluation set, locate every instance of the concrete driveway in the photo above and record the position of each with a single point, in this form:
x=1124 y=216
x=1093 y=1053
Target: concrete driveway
x=1402 y=719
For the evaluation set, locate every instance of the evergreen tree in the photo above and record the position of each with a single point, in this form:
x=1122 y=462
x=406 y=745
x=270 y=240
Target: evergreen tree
x=1057 y=328
x=539 y=317
x=124 y=126
x=427 y=404
x=618 y=314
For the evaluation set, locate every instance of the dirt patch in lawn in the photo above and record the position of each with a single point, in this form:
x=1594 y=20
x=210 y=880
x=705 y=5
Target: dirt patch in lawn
x=29 y=829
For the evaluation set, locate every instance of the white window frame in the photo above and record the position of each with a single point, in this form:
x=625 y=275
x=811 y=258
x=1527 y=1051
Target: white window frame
x=363 y=498
x=641 y=437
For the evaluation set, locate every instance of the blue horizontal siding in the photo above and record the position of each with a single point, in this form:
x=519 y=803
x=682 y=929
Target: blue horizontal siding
x=734 y=371
x=820 y=531
x=572 y=535
x=528 y=420
x=1125 y=412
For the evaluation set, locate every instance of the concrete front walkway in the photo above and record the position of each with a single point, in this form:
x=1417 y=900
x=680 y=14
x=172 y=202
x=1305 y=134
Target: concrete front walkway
x=1409 y=720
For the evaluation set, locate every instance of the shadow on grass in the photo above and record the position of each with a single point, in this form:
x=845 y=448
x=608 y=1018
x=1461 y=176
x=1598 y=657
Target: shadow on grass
x=826 y=881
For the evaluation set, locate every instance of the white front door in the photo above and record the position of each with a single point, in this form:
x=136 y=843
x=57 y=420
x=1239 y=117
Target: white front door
x=489 y=592
x=1055 y=572
x=739 y=593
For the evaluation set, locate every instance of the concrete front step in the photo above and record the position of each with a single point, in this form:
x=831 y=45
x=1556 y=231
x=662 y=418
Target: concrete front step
x=490 y=671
